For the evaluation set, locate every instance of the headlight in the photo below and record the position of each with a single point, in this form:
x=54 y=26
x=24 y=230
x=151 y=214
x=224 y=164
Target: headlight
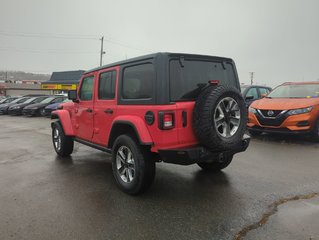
x=252 y=110
x=16 y=107
x=299 y=111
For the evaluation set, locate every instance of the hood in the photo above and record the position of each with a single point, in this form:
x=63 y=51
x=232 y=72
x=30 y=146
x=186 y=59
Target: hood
x=284 y=103
x=37 y=105
x=53 y=106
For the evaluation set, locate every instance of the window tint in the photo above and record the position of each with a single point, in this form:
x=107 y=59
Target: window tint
x=107 y=85
x=22 y=100
x=138 y=81
x=57 y=100
x=86 y=90
x=252 y=92
x=264 y=90
x=38 y=100
x=188 y=77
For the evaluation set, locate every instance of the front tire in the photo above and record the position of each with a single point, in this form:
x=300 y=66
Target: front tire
x=217 y=164
x=63 y=145
x=132 y=165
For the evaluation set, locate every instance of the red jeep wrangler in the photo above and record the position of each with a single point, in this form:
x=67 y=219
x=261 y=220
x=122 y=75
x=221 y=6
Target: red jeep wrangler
x=170 y=107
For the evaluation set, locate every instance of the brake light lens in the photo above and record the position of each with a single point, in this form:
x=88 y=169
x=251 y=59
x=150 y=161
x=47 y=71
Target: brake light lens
x=166 y=120
x=213 y=82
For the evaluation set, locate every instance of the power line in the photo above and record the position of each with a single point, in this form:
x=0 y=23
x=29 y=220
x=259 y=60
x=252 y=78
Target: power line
x=71 y=37
x=54 y=51
x=48 y=35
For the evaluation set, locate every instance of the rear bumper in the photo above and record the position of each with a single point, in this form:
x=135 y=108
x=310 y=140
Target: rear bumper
x=187 y=156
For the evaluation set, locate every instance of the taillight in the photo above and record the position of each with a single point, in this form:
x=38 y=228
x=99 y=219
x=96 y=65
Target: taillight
x=166 y=120
x=213 y=82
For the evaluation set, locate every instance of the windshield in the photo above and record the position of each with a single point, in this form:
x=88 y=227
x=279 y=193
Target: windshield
x=8 y=100
x=189 y=77
x=48 y=100
x=295 y=91
x=39 y=99
x=19 y=100
x=30 y=100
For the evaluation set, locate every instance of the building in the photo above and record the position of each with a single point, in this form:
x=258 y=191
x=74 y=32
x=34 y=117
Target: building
x=61 y=82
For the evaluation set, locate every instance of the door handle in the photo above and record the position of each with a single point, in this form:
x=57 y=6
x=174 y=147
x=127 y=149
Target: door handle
x=109 y=111
x=89 y=110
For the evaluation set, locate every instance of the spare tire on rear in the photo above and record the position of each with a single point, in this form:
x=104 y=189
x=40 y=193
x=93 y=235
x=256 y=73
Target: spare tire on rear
x=220 y=117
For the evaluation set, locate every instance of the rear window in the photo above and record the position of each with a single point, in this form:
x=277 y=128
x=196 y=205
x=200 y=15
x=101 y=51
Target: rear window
x=188 y=77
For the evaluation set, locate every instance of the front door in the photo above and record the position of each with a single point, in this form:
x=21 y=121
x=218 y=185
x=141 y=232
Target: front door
x=84 y=109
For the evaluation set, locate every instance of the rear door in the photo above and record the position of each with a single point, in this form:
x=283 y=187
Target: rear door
x=84 y=109
x=105 y=104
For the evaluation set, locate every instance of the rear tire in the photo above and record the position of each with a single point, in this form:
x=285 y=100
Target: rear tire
x=217 y=164
x=63 y=145
x=133 y=166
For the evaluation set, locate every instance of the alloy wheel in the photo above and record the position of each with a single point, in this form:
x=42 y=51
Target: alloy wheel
x=125 y=164
x=57 y=139
x=227 y=117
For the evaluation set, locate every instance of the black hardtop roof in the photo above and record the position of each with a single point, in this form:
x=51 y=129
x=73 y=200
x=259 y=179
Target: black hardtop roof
x=153 y=55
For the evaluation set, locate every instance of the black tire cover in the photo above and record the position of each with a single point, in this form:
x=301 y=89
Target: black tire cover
x=203 y=118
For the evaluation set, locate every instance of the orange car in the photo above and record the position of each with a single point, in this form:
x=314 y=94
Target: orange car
x=289 y=108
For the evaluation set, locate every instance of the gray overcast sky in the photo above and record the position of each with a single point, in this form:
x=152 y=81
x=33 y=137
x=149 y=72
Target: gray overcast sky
x=276 y=39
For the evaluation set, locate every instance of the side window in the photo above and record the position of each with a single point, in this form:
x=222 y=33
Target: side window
x=264 y=91
x=138 y=81
x=252 y=92
x=107 y=85
x=86 y=90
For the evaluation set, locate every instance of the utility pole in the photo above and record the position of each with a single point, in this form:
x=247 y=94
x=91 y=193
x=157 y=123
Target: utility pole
x=251 y=78
x=102 y=52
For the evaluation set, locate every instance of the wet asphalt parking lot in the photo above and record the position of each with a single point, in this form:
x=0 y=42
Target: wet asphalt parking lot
x=44 y=197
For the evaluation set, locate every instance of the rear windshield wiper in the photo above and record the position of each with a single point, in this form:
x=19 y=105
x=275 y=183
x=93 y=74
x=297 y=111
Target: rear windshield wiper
x=181 y=61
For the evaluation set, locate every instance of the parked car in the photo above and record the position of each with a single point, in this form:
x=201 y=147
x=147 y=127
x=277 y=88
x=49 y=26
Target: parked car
x=254 y=92
x=171 y=107
x=289 y=108
x=16 y=109
x=4 y=107
x=7 y=100
x=37 y=108
x=52 y=107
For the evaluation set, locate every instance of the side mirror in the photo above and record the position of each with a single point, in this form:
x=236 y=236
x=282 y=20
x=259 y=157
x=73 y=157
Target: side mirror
x=249 y=97
x=72 y=95
x=263 y=95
